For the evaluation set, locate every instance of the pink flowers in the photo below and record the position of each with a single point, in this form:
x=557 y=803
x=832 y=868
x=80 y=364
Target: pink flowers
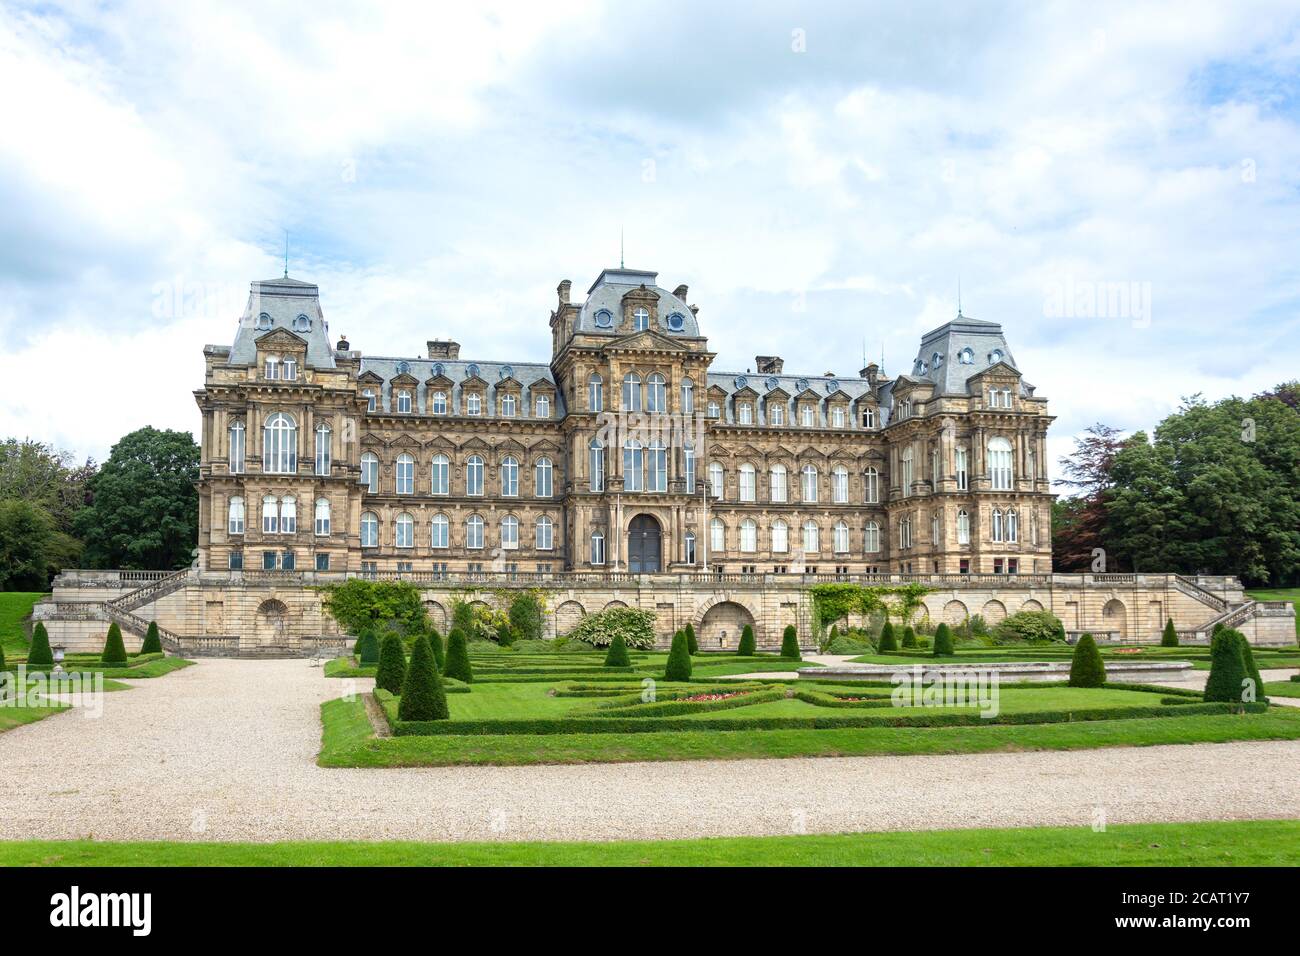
x=696 y=697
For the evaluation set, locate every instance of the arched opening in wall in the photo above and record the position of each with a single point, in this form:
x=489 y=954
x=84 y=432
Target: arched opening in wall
x=437 y=615
x=568 y=616
x=955 y=613
x=1031 y=605
x=644 y=545
x=613 y=604
x=271 y=625
x=1115 y=617
x=994 y=611
x=721 y=626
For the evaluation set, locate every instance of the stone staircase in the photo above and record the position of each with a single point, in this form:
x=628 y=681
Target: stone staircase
x=119 y=609
x=137 y=625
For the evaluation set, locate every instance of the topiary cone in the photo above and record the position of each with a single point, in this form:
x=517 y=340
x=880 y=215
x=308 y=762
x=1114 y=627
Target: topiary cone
x=392 y=665
x=423 y=697
x=887 y=641
x=692 y=644
x=909 y=637
x=1227 y=668
x=747 y=643
x=618 y=656
x=152 y=642
x=1252 y=671
x=790 y=644
x=679 y=659
x=1086 y=668
x=943 y=641
x=439 y=649
x=39 y=654
x=114 y=649
x=457 y=662
x=1170 y=636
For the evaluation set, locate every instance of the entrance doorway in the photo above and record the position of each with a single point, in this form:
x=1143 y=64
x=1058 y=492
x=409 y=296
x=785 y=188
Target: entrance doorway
x=644 y=545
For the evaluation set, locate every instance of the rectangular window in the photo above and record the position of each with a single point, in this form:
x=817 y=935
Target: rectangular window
x=236 y=560
x=997 y=565
x=1013 y=565
x=963 y=566
x=775 y=413
x=322 y=562
x=963 y=481
x=268 y=560
x=287 y=561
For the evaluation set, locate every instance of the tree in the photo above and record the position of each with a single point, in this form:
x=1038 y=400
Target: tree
x=1170 y=636
x=439 y=649
x=367 y=648
x=618 y=656
x=360 y=605
x=457 y=663
x=1252 y=671
x=679 y=659
x=423 y=696
x=145 y=508
x=790 y=644
x=152 y=641
x=526 y=616
x=1086 y=668
x=943 y=641
x=114 y=650
x=30 y=547
x=1079 y=522
x=692 y=644
x=39 y=654
x=887 y=642
x=1227 y=669
x=909 y=637
x=45 y=477
x=392 y=664
x=748 y=646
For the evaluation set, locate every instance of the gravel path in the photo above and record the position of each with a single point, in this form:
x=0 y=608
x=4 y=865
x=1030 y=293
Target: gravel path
x=225 y=750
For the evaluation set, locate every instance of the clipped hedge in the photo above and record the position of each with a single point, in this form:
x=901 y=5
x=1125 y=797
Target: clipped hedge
x=114 y=650
x=617 y=656
x=391 y=673
x=748 y=646
x=790 y=644
x=457 y=663
x=39 y=654
x=152 y=641
x=679 y=659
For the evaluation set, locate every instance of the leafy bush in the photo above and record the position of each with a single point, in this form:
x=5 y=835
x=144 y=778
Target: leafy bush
x=943 y=641
x=909 y=637
x=1030 y=627
x=39 y=654
x=422 y=695
x=392 y=665
x=462 y=617
x=2 y=658
x=526 y=617
x=748 y=646
x=848 y=643
x=790 y=644
x=114 y=649
x=679 y=659
x=1170 y=636
x=152 y=642
x=617 y=656
x=887 y=640
x=457 y=663
x=692 y=644
x=360 y=604
x=1086 y=668
x=635 y=624
x=1227 y=669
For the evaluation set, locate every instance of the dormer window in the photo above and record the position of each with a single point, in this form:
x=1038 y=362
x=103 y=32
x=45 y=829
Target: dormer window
x=369 y=395
x=263 y=323
x=509 y=406
x=714 y=410
x=604 y=319
x=775 y=413
x=936 y=360
x=289 y=369
x=837 y=416
x=473 y=404
x=640 y=320
x=439 y=403
x=302 y=324
x=543 y=406
x=966 y=357
x=995 y=356
x=404 y=402
x=868 y=417
x=676 y=322
x=745 y=413
x=807 y=416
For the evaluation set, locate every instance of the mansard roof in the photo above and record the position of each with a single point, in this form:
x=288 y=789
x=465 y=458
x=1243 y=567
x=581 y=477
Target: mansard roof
x=939 y=358
x=282 y=301
x=606 y=295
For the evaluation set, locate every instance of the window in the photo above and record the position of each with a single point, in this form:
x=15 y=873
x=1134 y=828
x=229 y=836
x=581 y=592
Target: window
x=633 y=465
x=322 y=516
x=404 y=402
x=745 y=413
x=689 y=549
x=995 y=356
x=509 y=477
x=837 y=416
x=510 y=533
x=270 y=515
x=631 y=392
x=235 y=461
x=871 y=538
x=543 y=406
x=871 y=480
x=268 y=560
x=688 y=468
x=509 y=406
x=748 y=536
x=640 y=320
x=840 y=539
x=474 y=533
x=747 y=482
x=405 y=475
x=438 y=403
x=868 y=417
x=657 y=467
x=263 y=322
x=775 y=413
x=907 y=472
x=370 y=472
x=778 y=484
x=272 y=367
x=716 y=477
x=236 y=562
x=405 y=528
x=439 y=531
x=604 y=318
x=545 y=534
x=597 y=548
x=302 y=324
x=714 y=411
x=807 y=416
x=934 y=528
x=473 y=404
x=542 y=478
x=1000 y=464
x=369 y=530
x=963 y=527
x=288 y=515
x=809 y=474
x=840 y=485
x=717 y=535
x=688 y=397
x=595 y=394
x=288 y=561
x=280 y=445
x=322 y=449
x=905 y=533
x=369 y=395
x=656 y=395
x=235 y=519
x=474 y=476
x=596 y=465
x=440 y=475
x=966 y=357
x=780 y=537
x=323 y=562
x=1013 y=526
x=1006 y=398
x=289 y=369
x=935 y=470
x=997 y=525
x=811 y=537
x=963 y=479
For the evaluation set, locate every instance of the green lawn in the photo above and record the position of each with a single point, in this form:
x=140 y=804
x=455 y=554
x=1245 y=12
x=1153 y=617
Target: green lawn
x=1240 y=843
x=1199 y=655
x=1281 y=594
x=1282 y=688
x=15 y=608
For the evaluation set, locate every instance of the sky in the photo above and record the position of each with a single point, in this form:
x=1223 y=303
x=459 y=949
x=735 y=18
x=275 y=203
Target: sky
x=1115 y=183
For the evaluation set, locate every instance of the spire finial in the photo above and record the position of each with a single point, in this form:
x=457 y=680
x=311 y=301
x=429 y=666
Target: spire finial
x=959 y=315
x=620 y=247
x=286 y=253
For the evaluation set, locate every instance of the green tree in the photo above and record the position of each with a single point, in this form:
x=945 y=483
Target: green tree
x=943 y=641
x=457 y=664
x=887 y=640
x=31 y=547
x=1170 y=636
x=114 y=650
x=790 y=643
x=1252 y=671
x=748 y=646
x=909 y=637
x=692 y=644
x=152 y=641
x=48 y=478
x=39 y=654
x=679 y=659
x=423 y=697
x=1227 y=669
x=392 y=664
x=360 y=605
x=145 y=507
x=1086 y=668
x=526 y=616
x=618 y=656
x=367 y=647
x=439 y=649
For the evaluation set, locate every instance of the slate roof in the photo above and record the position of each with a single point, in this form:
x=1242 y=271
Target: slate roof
x=938 y=359
x=527 y=374
x=793 y=385
x=283 y=299
x=607 y=292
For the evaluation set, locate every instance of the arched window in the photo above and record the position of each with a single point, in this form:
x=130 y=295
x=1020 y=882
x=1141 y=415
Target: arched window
x=717 y=535
x=440 y=475
x=807 y=415
x=474 y=533
x=775 y=412
x=640 y=320
x=404 y=402
x=288 y=515
x=1000 y=463
x=322 y=517
x=369 y=395
x=748 y=536
x=405 y=475
x=235 y=519
x=596 y=465
x=745 y=413
x=963 y=527
x=811 y=537
x=473 y=404
x=747 y=482
x=545 y=534
x=270 y=515
x=837 y=416
x=405 y=531
x=716 y=479
x=778 y=484
x=510 y=477
x=542 y=478
x=656 y=397
x=370 y=472
x=263 y=322
x=289 y=369
x=322 y=449
x=542 y=407
x=509 y=406
x=905 y=533
x=369 y=530
x=780 y=537
x=440 y=531
x=509 y=533
x=997 y=524
x=871 y=479
x=280 y=445
x=934 y=528
x=688 y=548
x=597 y=548
x=631 y=392
x=633 y=465
x=868 y=417
x=809 y=473
x=906 y=472
x=657 y=467
x=438 y=403
x=1013 y=526
x=871 y=538
x=840 y=539
x=595 y=394
x=688 y=397
x=840 y=485
x=238 y=446
x=474 y=476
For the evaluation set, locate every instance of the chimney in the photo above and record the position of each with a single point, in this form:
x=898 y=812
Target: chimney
x=870 y=373
x=769 y=364
x=443 y=349
x=680 y=292
x=563 y=290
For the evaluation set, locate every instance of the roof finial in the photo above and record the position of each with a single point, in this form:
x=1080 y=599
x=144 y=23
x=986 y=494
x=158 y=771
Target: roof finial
x=286 y=253
x=620 y=247
x=959 y=315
